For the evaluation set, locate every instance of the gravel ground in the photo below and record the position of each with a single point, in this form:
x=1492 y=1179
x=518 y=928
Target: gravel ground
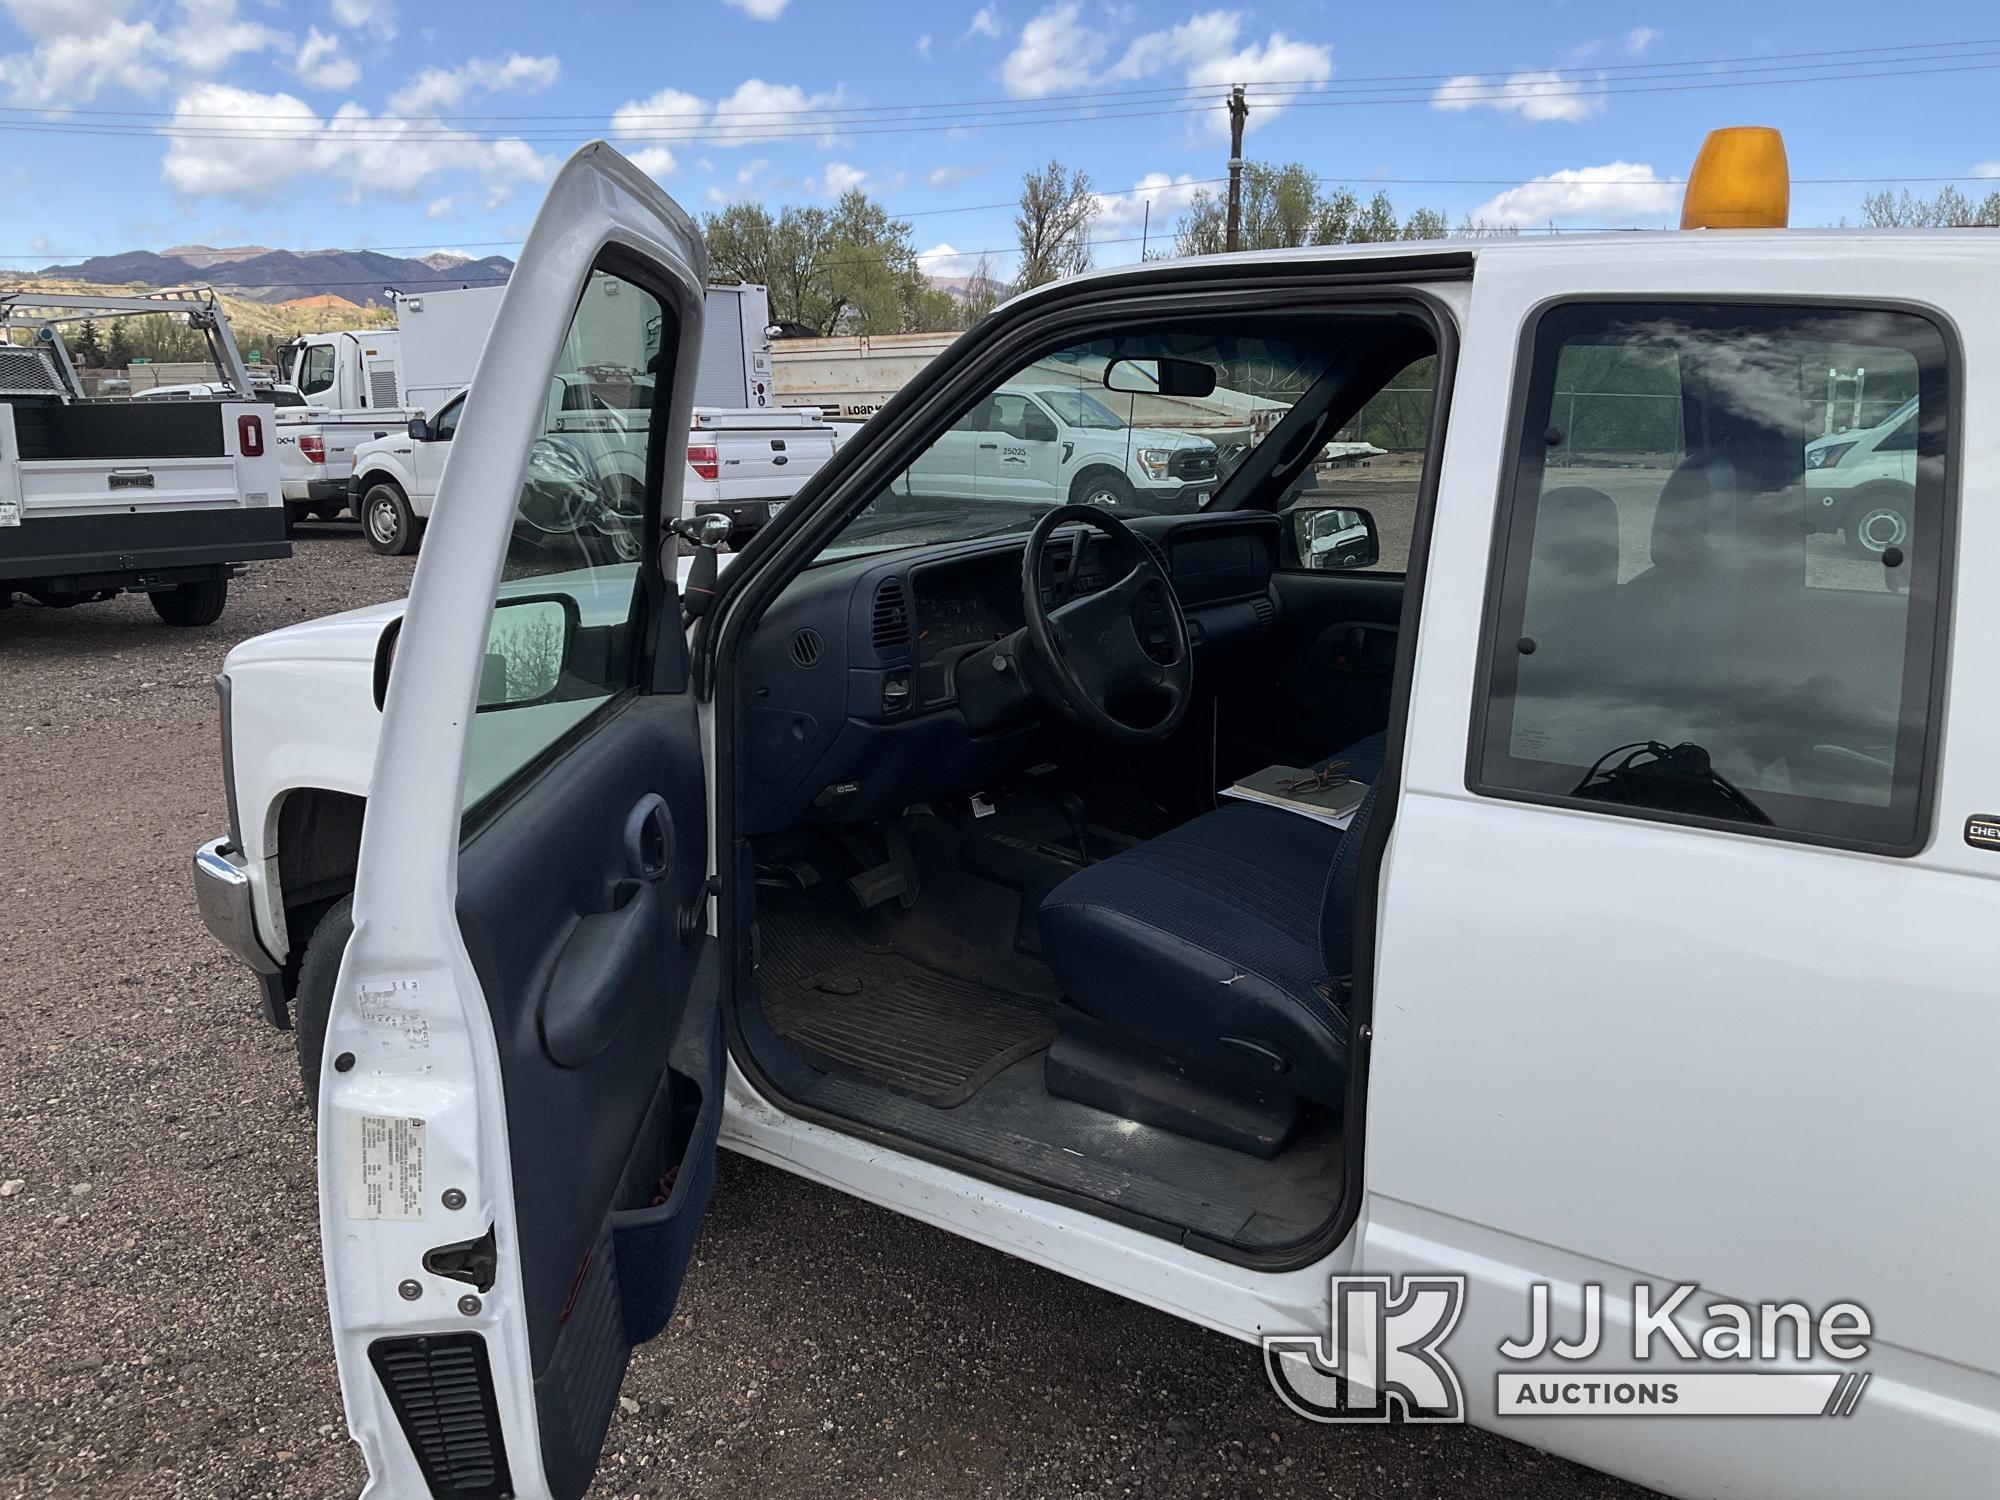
x=163 y=1330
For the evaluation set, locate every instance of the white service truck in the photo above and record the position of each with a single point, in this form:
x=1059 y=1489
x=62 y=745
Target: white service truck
x=103 y=497
x=1618 y=1078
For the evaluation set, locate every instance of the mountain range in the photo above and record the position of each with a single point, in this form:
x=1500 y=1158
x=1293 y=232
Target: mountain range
x=266 y=275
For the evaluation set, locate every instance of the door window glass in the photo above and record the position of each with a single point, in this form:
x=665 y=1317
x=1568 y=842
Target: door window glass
x=316 y=371
x=1720 y=596
x=561 y=640
x=446 y=422
x=1375 y=463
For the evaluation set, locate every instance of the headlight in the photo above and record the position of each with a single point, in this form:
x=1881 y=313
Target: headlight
x=1827 y=457
x=1155 y=461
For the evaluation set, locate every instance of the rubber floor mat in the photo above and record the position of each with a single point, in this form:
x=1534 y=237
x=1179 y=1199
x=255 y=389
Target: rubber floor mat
x=865 y=1010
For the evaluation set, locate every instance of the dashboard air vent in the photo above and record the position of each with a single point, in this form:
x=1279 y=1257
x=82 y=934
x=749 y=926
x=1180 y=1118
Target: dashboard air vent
x=891 y=632
x=807 y=648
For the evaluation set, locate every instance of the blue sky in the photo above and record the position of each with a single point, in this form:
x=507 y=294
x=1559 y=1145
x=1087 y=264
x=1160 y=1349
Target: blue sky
x=422 y=126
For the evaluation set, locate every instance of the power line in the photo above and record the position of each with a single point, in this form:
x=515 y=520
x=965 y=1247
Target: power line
x=1329 y=96
x=721 y=120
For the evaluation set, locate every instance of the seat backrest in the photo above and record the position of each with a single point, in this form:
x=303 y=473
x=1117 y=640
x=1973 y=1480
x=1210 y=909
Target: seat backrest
x=1336 y=906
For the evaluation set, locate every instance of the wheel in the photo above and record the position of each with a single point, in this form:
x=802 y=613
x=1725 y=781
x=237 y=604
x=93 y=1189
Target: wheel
x=296 y=511
x=388 y=522
x=1106 y=488
x=314 y=1005
x=1877 y=519
x=192 y=603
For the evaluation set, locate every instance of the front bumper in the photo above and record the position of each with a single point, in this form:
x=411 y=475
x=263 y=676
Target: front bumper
x=222 y=896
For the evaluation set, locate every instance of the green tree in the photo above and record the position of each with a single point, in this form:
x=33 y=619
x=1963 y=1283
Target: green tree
x=848 y=268
x=87 y=348
x=118 y=353
x=1053 y=224
x=1285 y=207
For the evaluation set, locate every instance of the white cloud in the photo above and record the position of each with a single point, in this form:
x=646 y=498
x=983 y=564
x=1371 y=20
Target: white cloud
x=1056 y=52
x=378 y=16
x=369 y=155
x=1639 y=38
x=1205 y=46
x=924 y=46
x=1987 y=169
x=761 y=10
x=321 y=64
x=1536 y=96
x=986 y=22
x=749 y=171
x=437 y=89
x=668 y=110
x=1122 y=214
x=83 y=49
x=950 y=176
x=51 y=18
x=944 y=259
x=757 y=107
x=440 y=208
x=841 y=178
x=657 y=162
x=1618 y=193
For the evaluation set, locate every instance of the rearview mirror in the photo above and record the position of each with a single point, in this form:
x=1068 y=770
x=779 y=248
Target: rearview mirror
x=420 y=431
x=1336 y=538
x=527 y=648
x=1159 y=377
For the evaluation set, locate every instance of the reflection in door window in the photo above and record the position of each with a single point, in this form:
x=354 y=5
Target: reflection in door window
x=561 y=640
x=1055 y=433
x=1721 y=585
x=316 y=370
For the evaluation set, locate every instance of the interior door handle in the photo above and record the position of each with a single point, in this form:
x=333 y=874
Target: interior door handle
x=649 y=838
x=598 y=973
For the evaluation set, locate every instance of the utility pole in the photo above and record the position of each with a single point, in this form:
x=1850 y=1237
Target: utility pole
x=1145 y=229
x=1239 y=107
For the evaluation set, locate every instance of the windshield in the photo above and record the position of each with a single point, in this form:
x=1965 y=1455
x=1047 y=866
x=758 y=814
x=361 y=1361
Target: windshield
x=1073 y=427
x=1081 y=410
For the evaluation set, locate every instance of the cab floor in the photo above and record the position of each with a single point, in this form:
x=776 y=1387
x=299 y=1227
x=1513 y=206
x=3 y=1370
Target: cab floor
x=957 y=1063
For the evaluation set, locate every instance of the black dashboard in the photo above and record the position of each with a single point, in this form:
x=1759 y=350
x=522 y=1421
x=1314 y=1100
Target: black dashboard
x=851 y=706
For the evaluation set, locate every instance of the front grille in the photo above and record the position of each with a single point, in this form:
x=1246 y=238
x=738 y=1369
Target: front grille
x=441 y=1389
x=1193 y=463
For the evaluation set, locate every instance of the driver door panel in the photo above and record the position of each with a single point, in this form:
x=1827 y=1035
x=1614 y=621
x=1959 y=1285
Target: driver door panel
x=598 y=1279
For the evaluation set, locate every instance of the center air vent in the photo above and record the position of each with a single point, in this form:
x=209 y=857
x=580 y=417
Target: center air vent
x=807 y=647
x=891 y=633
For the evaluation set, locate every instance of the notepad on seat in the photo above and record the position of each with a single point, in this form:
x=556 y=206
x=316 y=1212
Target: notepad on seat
x=1300 y=790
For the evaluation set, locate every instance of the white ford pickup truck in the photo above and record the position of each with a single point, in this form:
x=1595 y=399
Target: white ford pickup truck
x=1587 y=1031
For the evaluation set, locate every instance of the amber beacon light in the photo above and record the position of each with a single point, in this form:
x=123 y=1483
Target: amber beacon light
x=1740 y=180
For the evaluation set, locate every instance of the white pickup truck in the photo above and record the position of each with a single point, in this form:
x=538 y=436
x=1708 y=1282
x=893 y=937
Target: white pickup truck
x=103 y=497
x=741 y=464
x=1616 y=1078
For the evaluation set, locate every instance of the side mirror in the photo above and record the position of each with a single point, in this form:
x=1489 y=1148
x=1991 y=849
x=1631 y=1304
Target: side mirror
x=1336 y=538
x=1036 y=427
x=527 y=648
x=1160 y=377
x=420 y=430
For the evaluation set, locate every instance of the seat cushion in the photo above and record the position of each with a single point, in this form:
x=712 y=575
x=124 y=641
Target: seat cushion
x=1205 y=943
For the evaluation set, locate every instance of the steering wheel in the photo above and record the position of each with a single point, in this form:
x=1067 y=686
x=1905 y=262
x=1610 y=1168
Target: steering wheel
x=1126 y=641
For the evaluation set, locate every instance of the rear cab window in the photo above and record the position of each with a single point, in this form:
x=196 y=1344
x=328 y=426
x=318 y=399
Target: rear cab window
x=1718 y=586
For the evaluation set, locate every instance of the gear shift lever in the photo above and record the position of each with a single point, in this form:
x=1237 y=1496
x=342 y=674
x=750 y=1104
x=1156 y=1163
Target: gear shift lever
x=1071 y=807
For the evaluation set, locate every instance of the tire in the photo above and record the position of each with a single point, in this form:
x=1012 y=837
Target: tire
x=314 y=1004
x=192 y=603
x=1877 y=519
x=1104 y=487
x=388 y=522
